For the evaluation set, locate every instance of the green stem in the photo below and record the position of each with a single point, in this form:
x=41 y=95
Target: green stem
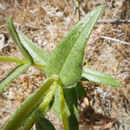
x=39 y=65
x=28 y=105
x=63 y=111
x=13 y=60
x=9 y=59
x=48 y=97
x=79 y=9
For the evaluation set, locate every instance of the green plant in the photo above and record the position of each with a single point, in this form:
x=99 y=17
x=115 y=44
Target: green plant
x=64 y=70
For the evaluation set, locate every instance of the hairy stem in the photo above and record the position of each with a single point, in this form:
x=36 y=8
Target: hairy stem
x=63 y=111
x=48 y=97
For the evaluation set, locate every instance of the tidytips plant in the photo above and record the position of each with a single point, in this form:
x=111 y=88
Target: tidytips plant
x=64 y=70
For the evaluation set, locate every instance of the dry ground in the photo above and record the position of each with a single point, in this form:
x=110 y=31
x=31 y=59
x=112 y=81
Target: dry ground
x=46 y=22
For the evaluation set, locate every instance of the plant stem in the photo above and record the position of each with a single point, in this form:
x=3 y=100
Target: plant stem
x=13 y=60
x=39 y=65
x=48 y=97
x=79 y=9
x=63 y=111
x=9 y=59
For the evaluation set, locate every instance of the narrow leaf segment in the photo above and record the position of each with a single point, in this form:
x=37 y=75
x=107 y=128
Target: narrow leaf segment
x=28 y=121
x=39 y=110
x=28 y=105
x=43 y=123
x=12 y=75
x=16 y=39
x=38 y=54
x=99 y=77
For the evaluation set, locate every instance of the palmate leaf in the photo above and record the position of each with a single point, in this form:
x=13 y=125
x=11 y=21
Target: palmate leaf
x=98 y=77
x=12 y=75
x=66 y=59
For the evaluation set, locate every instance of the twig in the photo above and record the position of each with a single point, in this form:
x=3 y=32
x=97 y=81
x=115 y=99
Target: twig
x=79 y=9
x=113 y=21
x=116 y=40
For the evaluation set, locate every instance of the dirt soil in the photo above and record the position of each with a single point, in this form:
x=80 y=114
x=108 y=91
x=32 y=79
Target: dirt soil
x=46 y=22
